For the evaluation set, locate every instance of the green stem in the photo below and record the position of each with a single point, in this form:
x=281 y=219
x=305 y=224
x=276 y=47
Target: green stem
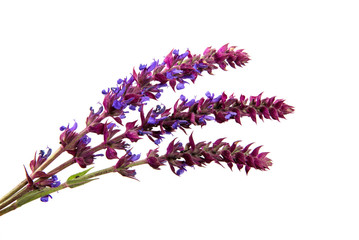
x=13 y=191
x=31 y=196
x=109 y=170
x=8 y=209
x=27 y=197
x=50 y=159
x=61 y=167
x=10 y=195
x=22 y=190
x=24 y=182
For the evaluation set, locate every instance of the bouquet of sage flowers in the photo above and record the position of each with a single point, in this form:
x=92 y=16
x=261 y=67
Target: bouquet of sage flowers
x=119 y=135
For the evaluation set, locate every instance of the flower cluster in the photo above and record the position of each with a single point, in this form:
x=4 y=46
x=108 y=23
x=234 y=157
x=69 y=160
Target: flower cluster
x=78 y=149
x=148 y=83
x=220 y=109
x=45 y=180
x=174 y=71
x=117 y=134
x=134 y=92
x=200 y=154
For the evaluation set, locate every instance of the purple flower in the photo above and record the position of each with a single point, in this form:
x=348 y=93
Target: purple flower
x=230 y=114
x=183 y=98
x=175 y=52
x=134 y=157
x=210 y=95
x=132 y=107
x=68 y=134
x=202 y=120
x=176 y=71
x=52 y=182
x=85 y=140
x=92 y=117
x=142 y=67
x=152 y=66
x=180 y=171
x=183 y=55
x=199 y=67
x=159 y=139
x=45 y=198
x=180 y=86
x=169 y=75
x=190 y=103
x=159 y=109
x=55 y=182
x=118 y=105
x=151 y=120
x=158 y=95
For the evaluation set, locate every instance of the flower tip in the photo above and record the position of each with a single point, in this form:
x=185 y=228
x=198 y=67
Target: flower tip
x=223 y=48
x=247 y=168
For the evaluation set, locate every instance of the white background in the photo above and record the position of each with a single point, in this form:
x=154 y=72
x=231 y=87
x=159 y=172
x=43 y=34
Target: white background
x=56 y=57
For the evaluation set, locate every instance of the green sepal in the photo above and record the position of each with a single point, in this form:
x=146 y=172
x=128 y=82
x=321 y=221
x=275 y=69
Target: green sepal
x=79 y=179
x=78 y=182
x=77 y=175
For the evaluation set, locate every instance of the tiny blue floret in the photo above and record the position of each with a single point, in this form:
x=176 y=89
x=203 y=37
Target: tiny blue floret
x=142 y=67
x=45 y=198
x=151 y=120
x=180 y=86
x=182 y=56
x=169 y=75
x=190 y=103
x=135 y=157
x=152 y=66
x=117 y=104
x=183 y=98
x=180 y=171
